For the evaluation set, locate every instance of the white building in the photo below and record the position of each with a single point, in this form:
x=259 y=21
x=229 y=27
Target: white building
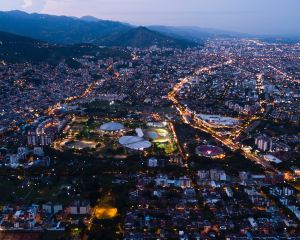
x=271 y=158
x=152 y=162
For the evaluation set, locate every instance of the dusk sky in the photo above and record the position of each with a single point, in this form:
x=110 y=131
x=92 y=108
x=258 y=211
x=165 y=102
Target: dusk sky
x=246 y=16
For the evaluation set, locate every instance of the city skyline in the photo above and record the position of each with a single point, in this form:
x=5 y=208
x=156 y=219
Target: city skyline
x=254 y=17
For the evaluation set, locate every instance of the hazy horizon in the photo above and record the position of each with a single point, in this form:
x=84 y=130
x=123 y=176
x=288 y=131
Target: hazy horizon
x=269 y=17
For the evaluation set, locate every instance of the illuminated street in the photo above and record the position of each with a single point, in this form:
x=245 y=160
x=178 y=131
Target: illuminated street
x=199 y=124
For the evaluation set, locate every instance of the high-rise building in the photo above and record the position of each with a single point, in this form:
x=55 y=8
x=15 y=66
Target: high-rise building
x=34 y=139
x=263 y=143
x=31 y=138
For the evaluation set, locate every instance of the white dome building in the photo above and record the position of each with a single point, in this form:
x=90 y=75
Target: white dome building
x=134 y=142
x=112 y=127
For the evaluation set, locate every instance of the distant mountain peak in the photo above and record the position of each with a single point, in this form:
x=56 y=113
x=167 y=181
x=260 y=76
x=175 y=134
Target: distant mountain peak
x=142 y=37
x=90 y=19
x=142 y=28
x=17 y=13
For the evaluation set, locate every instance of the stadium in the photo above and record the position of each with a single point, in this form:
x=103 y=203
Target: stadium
x=158 y=135
x=134 y=143
x=210 y=151
x=111 y=127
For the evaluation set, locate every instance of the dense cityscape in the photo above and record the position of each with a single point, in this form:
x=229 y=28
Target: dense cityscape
x=156 y=142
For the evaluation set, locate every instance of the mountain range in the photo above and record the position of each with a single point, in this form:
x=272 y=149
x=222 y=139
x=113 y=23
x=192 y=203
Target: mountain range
x=72 y=30
x=88 y=29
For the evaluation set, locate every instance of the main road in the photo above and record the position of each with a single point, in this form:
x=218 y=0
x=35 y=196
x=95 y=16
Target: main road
x=197 y=123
